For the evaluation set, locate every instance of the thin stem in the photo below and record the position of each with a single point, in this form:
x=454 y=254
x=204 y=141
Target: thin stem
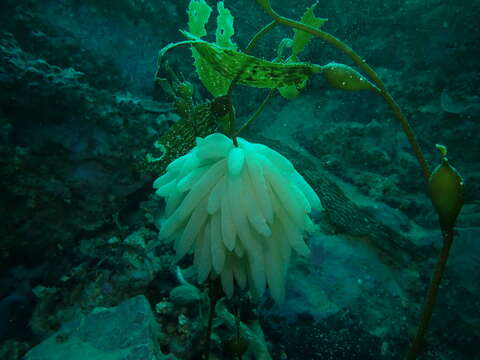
x=264 y=103
x=431 y=295
x=211 y=315
x=237 y=328
x=362 y=64
x=231 y=115
x=251 y=45
x=209 y=331
x=262 y=32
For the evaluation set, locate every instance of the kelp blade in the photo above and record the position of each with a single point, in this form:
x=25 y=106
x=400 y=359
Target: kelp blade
x=251 y=71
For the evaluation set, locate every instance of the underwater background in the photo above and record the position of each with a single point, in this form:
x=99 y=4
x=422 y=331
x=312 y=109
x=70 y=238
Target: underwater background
x=83 y=272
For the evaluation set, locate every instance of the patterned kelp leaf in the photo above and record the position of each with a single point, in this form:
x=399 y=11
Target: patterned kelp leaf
x=179 y=139
x=252 y=71
x=301 y=38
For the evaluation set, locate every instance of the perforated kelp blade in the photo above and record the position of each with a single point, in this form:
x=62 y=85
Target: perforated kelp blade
x=249 y=70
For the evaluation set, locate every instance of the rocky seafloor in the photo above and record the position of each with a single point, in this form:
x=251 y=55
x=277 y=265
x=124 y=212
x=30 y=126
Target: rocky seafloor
x=83 y=274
